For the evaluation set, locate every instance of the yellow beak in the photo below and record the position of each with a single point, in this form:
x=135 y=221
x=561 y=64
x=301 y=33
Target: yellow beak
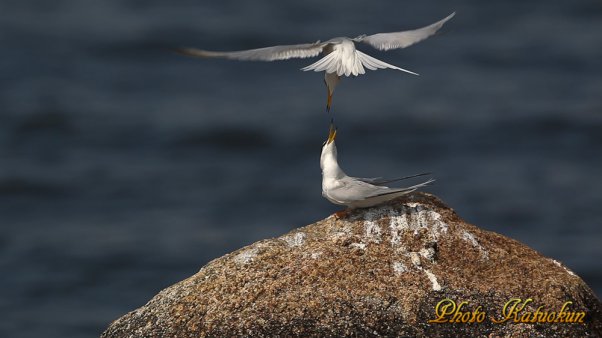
x=332 y=134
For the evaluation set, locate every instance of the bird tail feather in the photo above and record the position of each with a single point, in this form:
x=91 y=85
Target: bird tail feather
x=326 y=64
x=333 y=63
x=407 y=190
x=374 y=64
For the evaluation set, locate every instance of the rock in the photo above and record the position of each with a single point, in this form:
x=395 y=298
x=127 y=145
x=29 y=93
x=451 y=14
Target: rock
x=378 y=272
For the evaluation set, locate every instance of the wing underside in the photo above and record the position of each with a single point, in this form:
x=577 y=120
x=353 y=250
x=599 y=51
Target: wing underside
x=394 y=40
x=274 y=53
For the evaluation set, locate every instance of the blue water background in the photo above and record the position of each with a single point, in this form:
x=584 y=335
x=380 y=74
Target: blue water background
x=126 y=167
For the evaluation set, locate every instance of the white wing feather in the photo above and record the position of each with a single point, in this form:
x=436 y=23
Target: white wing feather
x=261 y=54
x=387 y=41
x=352 y=190
x=374 y=64
x=328 y=64
x=335 y=63
x=332 y=63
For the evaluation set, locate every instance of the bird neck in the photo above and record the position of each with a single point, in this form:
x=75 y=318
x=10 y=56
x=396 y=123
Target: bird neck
x=330 y=167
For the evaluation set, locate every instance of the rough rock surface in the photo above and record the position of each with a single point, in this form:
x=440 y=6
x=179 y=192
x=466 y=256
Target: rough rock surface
x=378 y=272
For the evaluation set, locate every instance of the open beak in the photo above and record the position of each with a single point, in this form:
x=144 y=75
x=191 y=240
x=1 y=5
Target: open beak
x=332 y=134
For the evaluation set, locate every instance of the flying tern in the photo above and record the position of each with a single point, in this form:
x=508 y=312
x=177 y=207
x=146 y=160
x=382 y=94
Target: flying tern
x=341 y=58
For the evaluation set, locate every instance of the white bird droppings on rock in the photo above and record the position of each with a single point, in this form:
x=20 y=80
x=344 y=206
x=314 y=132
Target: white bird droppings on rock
x=428 y=253
x=361 y=246
x=433 y=279
x=296 y=239
x=564 y=267
x=470 y=238
x=344 y=231
x=246 y=256
x=414 y=221
x=415 y=259
x=399 y=267
x=397 y=223
x=373 y=232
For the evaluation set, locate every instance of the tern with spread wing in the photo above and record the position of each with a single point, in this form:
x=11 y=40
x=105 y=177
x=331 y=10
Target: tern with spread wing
x=341 y=58
x=355 y=192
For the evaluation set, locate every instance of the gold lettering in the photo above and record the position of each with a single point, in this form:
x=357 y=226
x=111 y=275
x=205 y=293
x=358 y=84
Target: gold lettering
x=480 y=315
x=448 y=311
x=578 y=317
x=537 y=315
x=560 y=317
x=443 y=309
x=511 y=309
x=458 y=315
x=541 y=317
x=562 y=314
x=526 y=317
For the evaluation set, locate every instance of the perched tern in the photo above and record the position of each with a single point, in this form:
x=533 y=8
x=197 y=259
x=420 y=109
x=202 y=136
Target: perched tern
x=341 y=58
x=355 y=192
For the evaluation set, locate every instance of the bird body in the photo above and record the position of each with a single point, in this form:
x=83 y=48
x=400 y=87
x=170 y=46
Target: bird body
x=344 y=59
x=341 y=58
x=355 y=192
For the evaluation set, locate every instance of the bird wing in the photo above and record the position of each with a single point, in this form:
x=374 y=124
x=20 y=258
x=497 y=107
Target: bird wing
x=381 y=181
x=386 y=41
x=406 y=189
x=261 y=54
x=353 y=189
x=350 y=191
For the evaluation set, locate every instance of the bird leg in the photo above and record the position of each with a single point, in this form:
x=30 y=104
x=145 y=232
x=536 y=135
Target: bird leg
x=342 y=213
x=330 y=80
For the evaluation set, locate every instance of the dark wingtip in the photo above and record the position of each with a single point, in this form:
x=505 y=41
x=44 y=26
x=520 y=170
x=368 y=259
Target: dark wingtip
x=181 y=51
x=191 y=52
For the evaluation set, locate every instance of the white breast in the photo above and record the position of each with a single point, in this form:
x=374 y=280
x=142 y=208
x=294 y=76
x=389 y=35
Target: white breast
x=330 y=184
